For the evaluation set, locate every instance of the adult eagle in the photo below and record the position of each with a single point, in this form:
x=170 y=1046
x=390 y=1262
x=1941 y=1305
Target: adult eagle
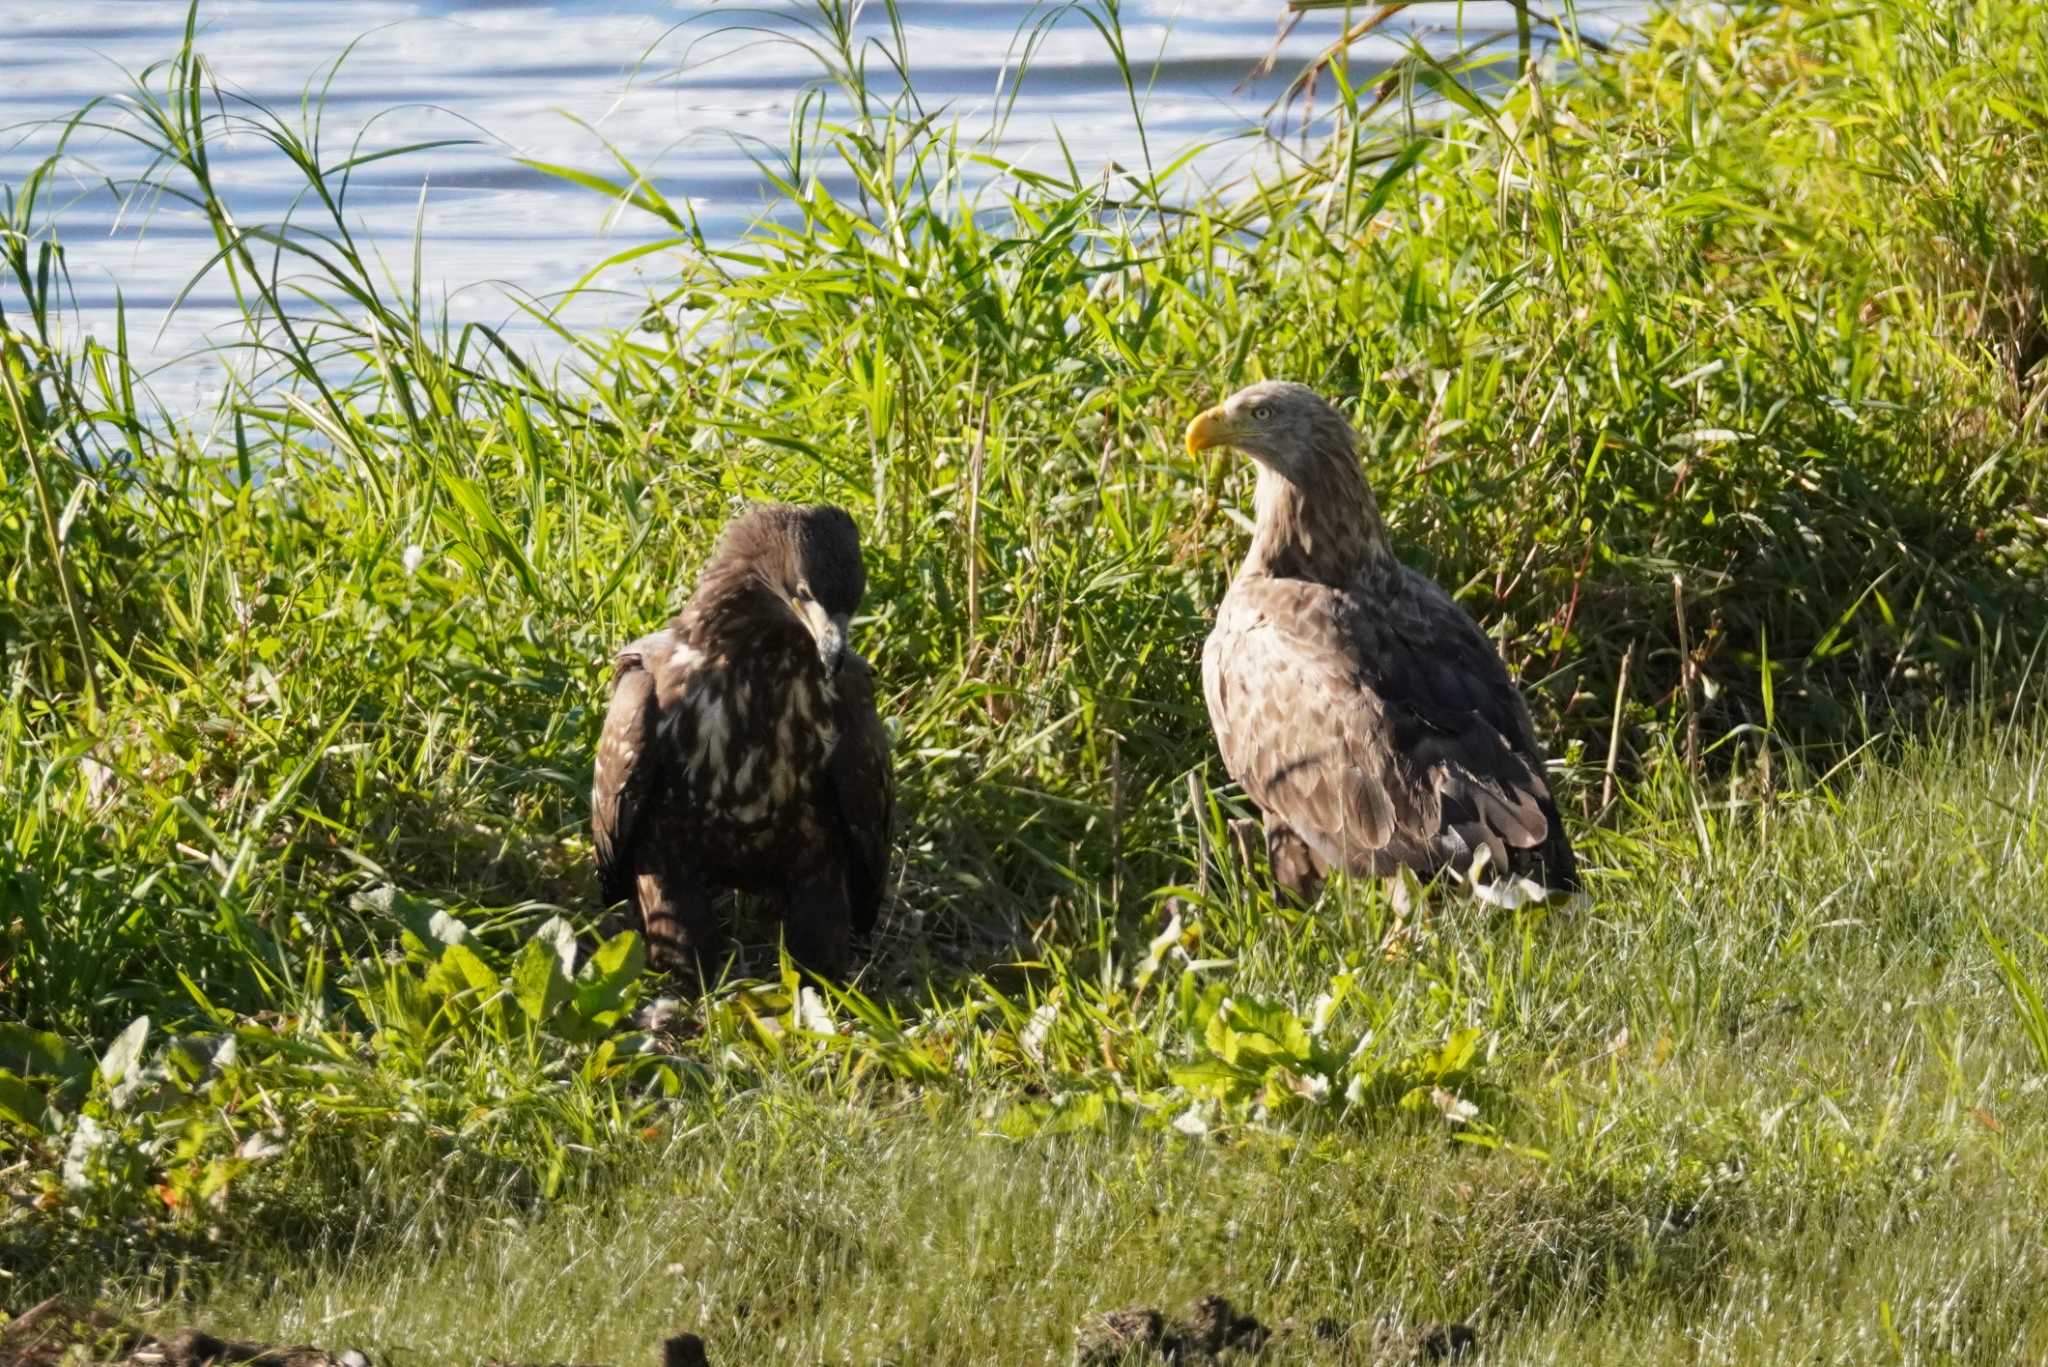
x=1363 y=711
x=742 y=751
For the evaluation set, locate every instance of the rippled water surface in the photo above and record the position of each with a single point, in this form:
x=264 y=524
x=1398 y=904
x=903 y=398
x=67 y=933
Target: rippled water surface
x=686 y=90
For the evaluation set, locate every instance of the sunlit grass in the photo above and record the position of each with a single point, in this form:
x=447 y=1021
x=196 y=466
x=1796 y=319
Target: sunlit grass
x=1768 y=1103
x=1709 y=379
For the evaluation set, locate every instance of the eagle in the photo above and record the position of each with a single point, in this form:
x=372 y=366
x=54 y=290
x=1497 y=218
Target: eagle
x=742 y=751
x=1361 y=709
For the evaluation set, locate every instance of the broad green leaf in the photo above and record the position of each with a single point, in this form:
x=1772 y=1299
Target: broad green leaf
x=620 y=955
x=1458 y=1051
x=1086 y=1111
x=538 y=984
x=1277 y=1023
x=28 y=1052
x=1023 y=1120
x=603 y=987
x=196 y=1057
x=1218 y=1038
x=1211 y=1077
x=119 y=1060
x=1065 y=1115
x=559 y=936
x=22 y=1103
x=427 y=928
x=473 y=972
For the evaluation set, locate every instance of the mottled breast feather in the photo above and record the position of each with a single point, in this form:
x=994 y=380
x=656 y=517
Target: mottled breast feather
x=1380 y=726
x=864 y=790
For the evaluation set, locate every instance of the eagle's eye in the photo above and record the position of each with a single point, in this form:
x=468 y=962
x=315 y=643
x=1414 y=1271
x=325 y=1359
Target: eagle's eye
x=1262 y=412
x=802 y=593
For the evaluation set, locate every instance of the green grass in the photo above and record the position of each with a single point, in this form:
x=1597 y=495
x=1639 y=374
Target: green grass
x=1769 y=1106
x=1756 y=304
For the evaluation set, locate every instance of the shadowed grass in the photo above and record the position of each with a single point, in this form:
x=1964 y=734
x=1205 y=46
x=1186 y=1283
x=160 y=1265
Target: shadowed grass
x=1770 y=1107
x=1751 y=307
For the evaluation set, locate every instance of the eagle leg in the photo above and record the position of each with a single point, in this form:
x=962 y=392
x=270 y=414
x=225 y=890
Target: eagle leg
x=1295 y=871
x=817 y=923
x=683 y=933
x=1244 y=832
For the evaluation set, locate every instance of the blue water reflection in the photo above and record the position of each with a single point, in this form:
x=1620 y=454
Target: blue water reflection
x=683 y=89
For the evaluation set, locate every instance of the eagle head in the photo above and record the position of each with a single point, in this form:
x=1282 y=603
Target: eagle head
x=1287 y=427
x=808 y=557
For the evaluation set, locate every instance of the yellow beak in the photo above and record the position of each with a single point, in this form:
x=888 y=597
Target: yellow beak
x=1211 y=428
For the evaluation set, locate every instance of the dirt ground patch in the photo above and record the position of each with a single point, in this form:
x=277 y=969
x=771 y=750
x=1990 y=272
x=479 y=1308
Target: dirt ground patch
x=1214 y=1332
x=58 y=1333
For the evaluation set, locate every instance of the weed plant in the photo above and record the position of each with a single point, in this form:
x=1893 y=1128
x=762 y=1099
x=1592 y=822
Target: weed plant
x=1708 y=373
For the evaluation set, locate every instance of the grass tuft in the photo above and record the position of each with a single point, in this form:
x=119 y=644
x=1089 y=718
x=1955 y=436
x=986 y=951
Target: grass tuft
x=1708 y=375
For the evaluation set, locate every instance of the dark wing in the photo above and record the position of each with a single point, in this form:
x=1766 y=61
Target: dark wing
x=629 y=759
x=865 y=789
x=1383 y=737
x=1451 y=680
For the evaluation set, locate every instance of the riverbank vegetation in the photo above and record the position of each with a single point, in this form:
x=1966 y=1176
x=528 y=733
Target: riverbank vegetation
x=1710 y=373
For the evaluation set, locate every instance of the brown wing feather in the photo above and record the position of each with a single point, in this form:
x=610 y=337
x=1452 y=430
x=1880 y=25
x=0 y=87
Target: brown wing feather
x=1385 y=734
x=1502 y=797
x=1302 y=740
x=629 y=759
x=865 y=789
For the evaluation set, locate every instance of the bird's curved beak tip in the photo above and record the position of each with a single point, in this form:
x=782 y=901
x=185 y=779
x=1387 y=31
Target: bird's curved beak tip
x=832 y=645
x=1209 y=428
x=828 y=629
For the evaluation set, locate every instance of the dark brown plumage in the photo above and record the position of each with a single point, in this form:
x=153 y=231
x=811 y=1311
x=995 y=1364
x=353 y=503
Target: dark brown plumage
x=1365 y=713
x=742 y=750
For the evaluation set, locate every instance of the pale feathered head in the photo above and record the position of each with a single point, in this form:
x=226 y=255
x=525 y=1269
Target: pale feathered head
x=1287 y=427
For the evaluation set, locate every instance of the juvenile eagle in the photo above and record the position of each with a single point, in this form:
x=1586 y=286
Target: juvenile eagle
x=1363 y=711
x=742 y=750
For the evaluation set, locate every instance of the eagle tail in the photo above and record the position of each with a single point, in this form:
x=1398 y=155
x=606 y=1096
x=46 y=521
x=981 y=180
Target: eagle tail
x=1552 y=863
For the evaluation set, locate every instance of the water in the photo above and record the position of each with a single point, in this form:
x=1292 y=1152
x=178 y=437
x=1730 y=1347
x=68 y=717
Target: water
x=683 y=89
